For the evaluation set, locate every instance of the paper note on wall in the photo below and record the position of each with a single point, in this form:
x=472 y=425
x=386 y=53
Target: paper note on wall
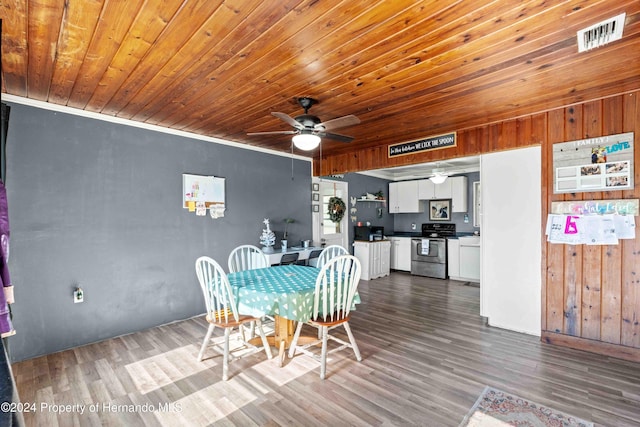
x=217 y=211
x=589 y=229
x=564 y=229
x=599 y=230
x=201 y=209
x=625 y=226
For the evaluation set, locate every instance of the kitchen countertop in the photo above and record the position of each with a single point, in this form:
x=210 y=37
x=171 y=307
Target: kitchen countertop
x=414 y=234
x=464 y=234
x=405 y=234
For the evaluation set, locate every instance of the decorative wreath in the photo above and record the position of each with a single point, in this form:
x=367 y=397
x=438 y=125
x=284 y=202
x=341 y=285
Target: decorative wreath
x=336 y=209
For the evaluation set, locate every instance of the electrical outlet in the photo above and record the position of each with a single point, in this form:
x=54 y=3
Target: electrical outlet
x=78 y=296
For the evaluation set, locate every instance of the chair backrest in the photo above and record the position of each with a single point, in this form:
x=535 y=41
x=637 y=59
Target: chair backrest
x=289 y=258
x=313 y=257
x=247 y=257
x=330 y=252
x=218 y=295
x=336 y=287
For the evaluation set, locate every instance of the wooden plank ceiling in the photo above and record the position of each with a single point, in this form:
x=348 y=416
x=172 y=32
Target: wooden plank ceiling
x=407 y=69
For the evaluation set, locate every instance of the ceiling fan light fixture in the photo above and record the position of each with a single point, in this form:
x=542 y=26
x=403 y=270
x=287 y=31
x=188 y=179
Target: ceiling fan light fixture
x=438 y=178
x=306 y=141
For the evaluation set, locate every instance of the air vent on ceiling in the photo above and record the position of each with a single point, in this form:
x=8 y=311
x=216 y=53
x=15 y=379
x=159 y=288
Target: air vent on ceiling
x=601 y=33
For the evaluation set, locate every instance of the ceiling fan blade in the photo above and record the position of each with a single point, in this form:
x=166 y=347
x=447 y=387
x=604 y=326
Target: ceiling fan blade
x=338 y=122
x=276 y=132
x=285 y=118
x=335 y=136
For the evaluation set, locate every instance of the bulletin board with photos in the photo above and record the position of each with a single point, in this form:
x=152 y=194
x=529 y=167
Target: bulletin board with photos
x=594 y=164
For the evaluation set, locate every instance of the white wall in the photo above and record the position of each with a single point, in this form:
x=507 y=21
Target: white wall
x=511 y=280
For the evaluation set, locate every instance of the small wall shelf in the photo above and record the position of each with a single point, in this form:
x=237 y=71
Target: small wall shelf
x=371 y=200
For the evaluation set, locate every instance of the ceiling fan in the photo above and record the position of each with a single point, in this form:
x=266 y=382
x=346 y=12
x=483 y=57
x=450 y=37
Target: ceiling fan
x=308 y=129
x=439 y=175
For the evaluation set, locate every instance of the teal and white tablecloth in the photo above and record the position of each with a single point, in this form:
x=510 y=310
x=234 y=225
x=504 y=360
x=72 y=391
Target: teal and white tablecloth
x=285 y=291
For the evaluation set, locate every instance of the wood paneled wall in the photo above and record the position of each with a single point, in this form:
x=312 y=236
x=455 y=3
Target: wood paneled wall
x=516 y=133
x=591 y=294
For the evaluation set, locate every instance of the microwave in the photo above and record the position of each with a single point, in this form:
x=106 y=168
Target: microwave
x=368 y=233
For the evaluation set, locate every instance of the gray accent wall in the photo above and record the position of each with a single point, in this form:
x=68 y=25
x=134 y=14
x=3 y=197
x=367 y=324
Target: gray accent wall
x=360 y=184
x=98 y=205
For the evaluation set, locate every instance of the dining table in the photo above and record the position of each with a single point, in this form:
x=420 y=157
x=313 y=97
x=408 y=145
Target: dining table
x=285 y=292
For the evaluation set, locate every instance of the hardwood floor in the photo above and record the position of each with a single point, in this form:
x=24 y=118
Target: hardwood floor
x=427 y=355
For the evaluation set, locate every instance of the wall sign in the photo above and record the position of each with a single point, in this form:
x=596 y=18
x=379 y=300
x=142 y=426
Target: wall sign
x=594 y=164
x=601 y=207
x=431 y=143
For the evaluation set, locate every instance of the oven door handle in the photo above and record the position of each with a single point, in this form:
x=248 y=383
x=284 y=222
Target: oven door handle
x=435 y=247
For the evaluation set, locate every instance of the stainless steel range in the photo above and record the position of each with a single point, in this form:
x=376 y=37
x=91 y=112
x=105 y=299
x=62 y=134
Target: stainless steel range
x=429 y=253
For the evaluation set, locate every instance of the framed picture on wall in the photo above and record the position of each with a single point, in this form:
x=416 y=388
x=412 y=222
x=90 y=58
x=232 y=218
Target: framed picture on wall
x=315 y=197
x=316 y=208
x=315 y=187
x=440 y=210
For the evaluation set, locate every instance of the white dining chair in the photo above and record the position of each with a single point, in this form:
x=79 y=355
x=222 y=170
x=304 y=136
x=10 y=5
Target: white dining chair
x=246 y=257
x=330 y=252
x=222 y=311
x=336 y=287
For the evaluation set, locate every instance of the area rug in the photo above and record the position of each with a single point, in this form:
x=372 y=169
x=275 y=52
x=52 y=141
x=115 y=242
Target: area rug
x=498 y=408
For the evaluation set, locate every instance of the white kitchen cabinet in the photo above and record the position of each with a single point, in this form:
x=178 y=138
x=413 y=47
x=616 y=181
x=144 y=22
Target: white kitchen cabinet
x=374 y=257
x=470 y=258
x=400 y=253
x=442 y=191
x=394 y=197
x=406 y=196
x=393 y=263
x=453 y=258
x=427 y=190
x=403 y=197
x=463 y=259
x=454 y=188
x=458 y=193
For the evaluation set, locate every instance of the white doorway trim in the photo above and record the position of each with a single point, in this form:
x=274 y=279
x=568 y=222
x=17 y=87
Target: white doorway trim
x=328 y=188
